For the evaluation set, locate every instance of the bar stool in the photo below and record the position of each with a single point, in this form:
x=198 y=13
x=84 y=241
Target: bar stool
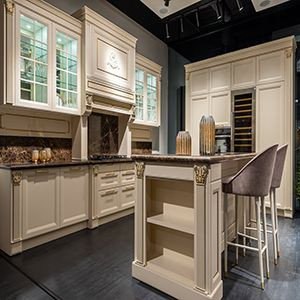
x=253 y=180
x=276 y=182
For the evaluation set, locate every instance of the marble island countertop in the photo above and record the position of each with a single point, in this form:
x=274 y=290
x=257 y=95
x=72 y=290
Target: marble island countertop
x=30 y=165
x=209 y=159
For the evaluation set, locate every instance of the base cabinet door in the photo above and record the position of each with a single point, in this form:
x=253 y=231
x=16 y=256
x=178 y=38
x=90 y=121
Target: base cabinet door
x=127 y=197
x=40 y=202
x=220 y=107
x=107 y=202
x=74 y=193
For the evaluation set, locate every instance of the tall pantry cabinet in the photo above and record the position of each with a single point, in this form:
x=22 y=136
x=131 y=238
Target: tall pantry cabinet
x=268 y=69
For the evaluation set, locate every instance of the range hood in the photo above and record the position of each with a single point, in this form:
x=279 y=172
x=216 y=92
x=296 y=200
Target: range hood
x=264 y=4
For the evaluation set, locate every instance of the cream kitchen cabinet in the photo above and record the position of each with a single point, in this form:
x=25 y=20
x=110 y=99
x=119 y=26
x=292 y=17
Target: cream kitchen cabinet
x=42 y=66
x=220 y=107
x=108 y=62
x=113 y=191
x=220 y=78
x=39 y=199
x=74 y=194
x=243 y=73
x=200 y=82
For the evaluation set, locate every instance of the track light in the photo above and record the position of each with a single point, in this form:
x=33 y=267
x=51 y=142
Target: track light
x=167 y=31
x=167 y=2
x=216 y=8
x=197 y=19
x=239 y=5
x=181 y=24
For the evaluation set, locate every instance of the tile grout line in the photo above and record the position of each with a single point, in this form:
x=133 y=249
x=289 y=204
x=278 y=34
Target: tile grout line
x=40 y=285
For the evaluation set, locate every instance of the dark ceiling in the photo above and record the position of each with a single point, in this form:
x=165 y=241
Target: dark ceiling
x=212 y=36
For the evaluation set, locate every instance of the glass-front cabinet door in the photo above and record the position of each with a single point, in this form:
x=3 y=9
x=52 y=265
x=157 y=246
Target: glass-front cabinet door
x=47 y=62
x=67 y=71
x=147 y=92
x=33 y=60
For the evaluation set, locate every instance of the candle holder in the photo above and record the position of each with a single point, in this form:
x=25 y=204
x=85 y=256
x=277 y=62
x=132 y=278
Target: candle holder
x=48 y=154
x=43 y=156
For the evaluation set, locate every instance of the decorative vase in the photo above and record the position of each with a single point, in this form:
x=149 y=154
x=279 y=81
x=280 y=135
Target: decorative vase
x=183 y=143
x=207 y=135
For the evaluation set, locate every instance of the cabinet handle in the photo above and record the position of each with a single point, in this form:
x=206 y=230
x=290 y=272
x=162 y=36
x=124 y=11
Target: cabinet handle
x=110 y=193
x=108 y=175
x=42 y=171
x=128 y=173
x=130 y=188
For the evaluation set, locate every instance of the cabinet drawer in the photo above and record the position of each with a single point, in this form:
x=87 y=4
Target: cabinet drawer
x=127 y=177
x=107 y=201
x=108 y=180
x=127 y=196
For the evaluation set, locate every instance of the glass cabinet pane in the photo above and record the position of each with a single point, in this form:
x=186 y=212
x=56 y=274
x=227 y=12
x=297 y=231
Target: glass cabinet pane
x=139 y=94
x=66 y=71
x=151 y=98
x=33 y=60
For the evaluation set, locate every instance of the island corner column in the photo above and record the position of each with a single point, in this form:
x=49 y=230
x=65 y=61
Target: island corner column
x=207 y=246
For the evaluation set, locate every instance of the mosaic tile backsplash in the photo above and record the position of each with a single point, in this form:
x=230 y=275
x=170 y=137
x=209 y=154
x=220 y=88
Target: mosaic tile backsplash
x=18 y=149
x=103 y=134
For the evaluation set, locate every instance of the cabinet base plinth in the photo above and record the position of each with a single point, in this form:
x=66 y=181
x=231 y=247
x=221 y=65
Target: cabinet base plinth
x=172 y=287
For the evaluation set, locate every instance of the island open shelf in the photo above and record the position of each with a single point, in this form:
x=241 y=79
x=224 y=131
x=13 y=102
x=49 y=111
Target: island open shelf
x=170 y=203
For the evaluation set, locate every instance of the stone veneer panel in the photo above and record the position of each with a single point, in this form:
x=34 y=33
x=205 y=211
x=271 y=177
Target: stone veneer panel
x=14 y=149
x=103 y=134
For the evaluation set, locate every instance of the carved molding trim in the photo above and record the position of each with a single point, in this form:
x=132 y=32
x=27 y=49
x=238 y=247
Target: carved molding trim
x=201 y=173
x=113 y=61
x=16 y=177
x=88 y=104
x=140 y=168
x=9 y=6
x=288 y=53
x=95 y=170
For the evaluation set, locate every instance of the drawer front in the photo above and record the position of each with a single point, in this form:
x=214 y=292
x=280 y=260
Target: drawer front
x=108 y=180
x=128 y=196
x=107 y=201
x=128 y=177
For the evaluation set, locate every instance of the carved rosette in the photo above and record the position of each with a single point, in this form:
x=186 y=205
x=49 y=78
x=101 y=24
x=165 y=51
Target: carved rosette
x=201 y=173
x=16 y=177
x=9 y=6
x=140 y=168
x=288 y=53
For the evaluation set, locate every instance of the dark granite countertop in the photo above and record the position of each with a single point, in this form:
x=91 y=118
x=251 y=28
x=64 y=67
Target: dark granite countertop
x=29 y=165
x=172 y=158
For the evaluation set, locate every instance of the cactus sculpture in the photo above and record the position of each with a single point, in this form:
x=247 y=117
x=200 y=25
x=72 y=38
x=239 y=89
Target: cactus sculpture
x=207 y=135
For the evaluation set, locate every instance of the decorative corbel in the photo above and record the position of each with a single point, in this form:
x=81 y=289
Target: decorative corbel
x=16 y=177
x=288 y=52
x=132 y=115
x=140 y=168
x=88 y=104
x=95 y=170
x=201 y=173
x=9 y=4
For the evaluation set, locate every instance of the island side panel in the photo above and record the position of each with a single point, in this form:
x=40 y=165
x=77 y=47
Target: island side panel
x=208 y=195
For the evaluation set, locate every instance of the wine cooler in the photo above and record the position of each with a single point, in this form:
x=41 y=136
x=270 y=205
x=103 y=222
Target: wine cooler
x=243 y=121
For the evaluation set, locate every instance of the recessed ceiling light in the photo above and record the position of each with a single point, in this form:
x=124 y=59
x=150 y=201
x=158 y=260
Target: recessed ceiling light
x=163 y=10
x=264 y=3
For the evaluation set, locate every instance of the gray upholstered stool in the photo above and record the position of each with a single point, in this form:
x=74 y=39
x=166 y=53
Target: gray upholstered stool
x=253 y=180
x=276 y=181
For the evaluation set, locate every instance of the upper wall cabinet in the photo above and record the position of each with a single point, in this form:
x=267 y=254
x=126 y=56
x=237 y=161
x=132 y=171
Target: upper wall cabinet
x=147 y=92
x=41 y=64
x=108 y=61
x=200 y=82
x=220 y=78
x=243 y=73
x=270 y=67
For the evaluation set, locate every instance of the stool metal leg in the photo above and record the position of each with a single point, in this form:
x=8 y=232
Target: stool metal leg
x=265 y=236
x=276 y=222
x=273 y=227
x=244 y=225
x=225 y=233
x=236 y=229
x=258 y=224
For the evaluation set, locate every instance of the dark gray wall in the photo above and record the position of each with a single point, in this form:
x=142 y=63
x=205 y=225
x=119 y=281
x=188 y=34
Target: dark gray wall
x=176 y=80
x=148 y=45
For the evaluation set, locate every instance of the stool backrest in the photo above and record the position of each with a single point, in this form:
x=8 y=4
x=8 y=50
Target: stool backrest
x=279 y=165
x=254 y=179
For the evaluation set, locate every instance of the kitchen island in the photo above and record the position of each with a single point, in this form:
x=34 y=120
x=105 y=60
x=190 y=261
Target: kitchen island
x=178 y=222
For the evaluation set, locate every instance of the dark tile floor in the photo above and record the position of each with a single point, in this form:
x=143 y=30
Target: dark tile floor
x=96 y=264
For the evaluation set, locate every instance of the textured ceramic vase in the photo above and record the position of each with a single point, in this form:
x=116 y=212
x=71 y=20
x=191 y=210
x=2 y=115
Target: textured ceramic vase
x=207 y=135
x=183 y=143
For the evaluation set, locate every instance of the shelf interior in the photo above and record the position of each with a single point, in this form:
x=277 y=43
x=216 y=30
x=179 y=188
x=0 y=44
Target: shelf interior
x=170 y=203
x=170 y=253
